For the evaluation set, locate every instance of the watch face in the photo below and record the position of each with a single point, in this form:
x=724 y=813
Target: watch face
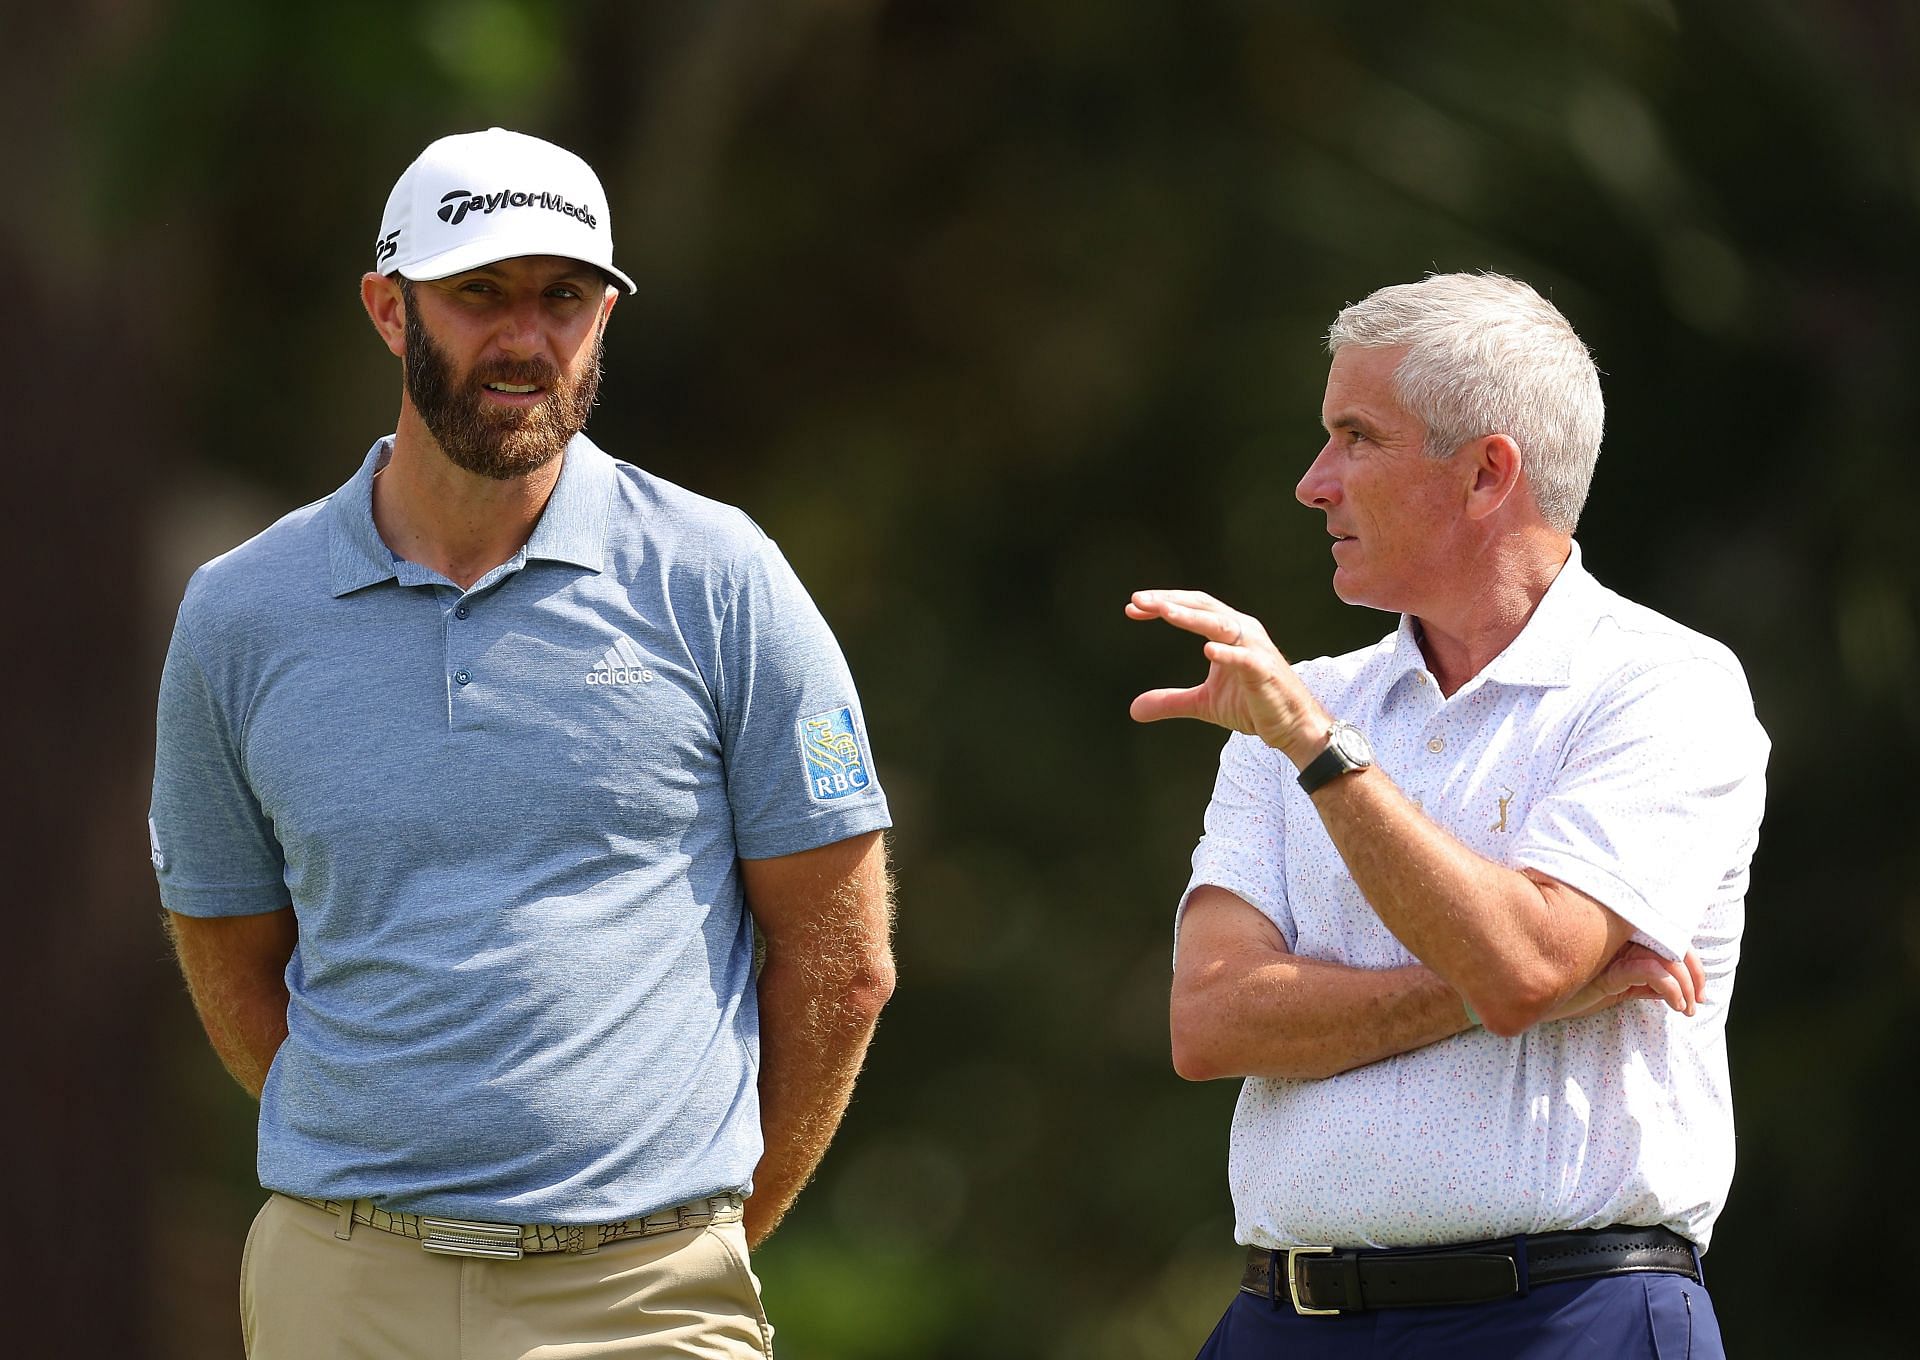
x=1351 y=742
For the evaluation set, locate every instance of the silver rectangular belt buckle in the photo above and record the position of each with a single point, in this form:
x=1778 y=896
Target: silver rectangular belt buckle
x=465 y=1237
x=1293 y=1281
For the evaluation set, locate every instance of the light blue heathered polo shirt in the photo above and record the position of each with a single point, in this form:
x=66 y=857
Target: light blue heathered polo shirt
x=508 y=820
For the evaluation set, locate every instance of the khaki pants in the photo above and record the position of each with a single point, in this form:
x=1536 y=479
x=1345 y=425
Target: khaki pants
x=305 y=1294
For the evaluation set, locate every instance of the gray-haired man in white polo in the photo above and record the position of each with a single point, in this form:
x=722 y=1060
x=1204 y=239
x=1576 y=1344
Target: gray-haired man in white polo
x=473 y=781
x=1534 y=805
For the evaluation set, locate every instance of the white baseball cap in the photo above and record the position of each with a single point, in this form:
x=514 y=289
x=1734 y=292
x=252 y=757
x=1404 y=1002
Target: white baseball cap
x=479 y=197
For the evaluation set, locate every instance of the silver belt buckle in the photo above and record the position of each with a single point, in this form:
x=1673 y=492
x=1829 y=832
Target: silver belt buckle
x=465 y=1237
x=1293 y=1281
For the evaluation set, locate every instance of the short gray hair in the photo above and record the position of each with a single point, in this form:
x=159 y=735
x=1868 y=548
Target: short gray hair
x=1488 y=355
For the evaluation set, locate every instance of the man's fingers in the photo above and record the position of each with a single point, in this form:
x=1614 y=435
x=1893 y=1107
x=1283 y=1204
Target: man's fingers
x=1154 y=601
x=1677 y=983
x=1684 y=985
x=1682 y=982
x=1668 y=990
x=1674 y=984
x=1193 y=611
x=1249 y=688
x=1156 y=704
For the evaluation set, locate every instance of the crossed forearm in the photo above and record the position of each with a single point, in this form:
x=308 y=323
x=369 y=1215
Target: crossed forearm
x=1244 y=1005
x=1306 y=1018
x=1488 y=930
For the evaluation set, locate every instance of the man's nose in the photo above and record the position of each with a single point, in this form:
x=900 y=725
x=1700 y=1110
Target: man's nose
x=519 y=332
x=1317 y=488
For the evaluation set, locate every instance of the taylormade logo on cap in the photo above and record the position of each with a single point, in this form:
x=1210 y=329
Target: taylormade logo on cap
x=534 y=198
x=455 y=206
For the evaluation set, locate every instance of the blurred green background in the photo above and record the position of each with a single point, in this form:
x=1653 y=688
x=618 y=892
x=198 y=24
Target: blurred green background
x=990 y=313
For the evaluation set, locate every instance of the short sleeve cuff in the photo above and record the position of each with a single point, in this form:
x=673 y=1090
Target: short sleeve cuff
x=1248 y=891
x=1618 y=896
x=1205 y=876
x=240 y=899
x=815 y=832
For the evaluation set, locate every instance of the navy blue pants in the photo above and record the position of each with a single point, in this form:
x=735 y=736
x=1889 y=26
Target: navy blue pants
x=1616 y=1317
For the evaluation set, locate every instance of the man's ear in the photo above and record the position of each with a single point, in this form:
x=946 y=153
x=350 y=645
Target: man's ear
x=380 y=295
x=1496 y=467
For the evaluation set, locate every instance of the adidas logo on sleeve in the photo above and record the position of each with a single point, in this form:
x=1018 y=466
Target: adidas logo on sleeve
x=622 y=665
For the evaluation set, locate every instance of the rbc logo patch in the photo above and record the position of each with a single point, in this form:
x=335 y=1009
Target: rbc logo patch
x=836 y=766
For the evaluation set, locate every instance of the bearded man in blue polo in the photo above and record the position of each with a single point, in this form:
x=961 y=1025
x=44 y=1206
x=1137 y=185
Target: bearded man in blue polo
x=473 y=782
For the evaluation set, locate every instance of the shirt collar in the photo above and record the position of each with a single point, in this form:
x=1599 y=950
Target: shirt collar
x=1543 y=652
x=1562 y=621
x=357 y=555
x=572 y=528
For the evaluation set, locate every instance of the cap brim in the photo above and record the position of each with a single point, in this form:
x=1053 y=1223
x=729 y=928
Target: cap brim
x=475 y=254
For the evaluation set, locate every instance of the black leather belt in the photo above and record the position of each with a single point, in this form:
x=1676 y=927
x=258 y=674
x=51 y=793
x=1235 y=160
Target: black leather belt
x=1318 y=1280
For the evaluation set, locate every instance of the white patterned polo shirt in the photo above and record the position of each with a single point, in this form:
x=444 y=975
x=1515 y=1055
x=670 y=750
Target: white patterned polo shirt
x=1608 y=747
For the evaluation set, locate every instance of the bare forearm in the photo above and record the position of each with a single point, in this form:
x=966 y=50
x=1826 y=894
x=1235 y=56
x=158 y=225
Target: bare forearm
x=246 y=1033
x=827 y=918
x=235 y=969
x=1291 y=1017
x=1488 y=930
x=814 y=1033
x=1245 y=1005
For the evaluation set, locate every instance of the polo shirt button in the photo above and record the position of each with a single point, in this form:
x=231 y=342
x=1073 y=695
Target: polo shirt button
x=461 y=612
x=461 y=677
x=1437 y=745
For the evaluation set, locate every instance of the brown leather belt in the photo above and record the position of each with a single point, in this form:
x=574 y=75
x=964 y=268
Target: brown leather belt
x=511 y=1241
x=1327 y=1280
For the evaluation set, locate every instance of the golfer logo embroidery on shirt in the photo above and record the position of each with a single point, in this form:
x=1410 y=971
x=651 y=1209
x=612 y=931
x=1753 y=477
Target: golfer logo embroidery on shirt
x=1501 y=825
x=622 y=665
x=835 y=764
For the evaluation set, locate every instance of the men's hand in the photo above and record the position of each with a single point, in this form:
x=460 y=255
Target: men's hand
x=1250 y=687
x=1636 y=973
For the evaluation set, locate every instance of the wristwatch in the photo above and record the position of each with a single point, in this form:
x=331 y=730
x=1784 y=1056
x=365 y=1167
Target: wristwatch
x=1347 y=751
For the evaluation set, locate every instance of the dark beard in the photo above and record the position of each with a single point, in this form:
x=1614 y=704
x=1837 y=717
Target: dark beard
x=494 y=442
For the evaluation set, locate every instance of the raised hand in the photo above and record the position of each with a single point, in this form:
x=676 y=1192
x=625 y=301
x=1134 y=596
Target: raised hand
x=1249 y=685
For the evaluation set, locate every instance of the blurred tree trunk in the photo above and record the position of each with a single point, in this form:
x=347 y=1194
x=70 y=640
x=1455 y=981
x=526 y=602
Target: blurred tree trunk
x=84 y=453
x=83 y=898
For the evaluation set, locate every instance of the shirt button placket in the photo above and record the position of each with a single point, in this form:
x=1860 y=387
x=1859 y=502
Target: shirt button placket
x=461 y=676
